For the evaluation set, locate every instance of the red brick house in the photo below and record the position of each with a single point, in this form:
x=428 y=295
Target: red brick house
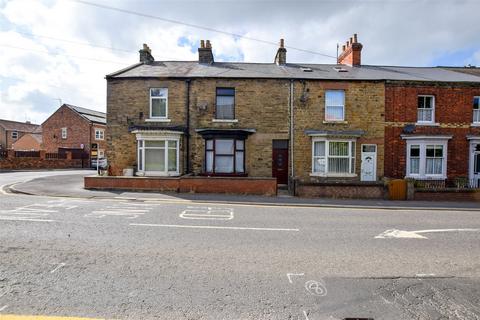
x=12 y=131
x=433 y=129
x=75 y=129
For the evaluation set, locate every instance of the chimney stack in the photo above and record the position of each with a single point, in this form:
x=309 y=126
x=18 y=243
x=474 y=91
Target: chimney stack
x=205 y=54
x=351 y=52
x=146 y=55
x=281 y=57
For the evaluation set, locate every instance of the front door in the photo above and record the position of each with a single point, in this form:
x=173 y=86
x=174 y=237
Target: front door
x=280 y=161
x=475 y=165
x=369 y=162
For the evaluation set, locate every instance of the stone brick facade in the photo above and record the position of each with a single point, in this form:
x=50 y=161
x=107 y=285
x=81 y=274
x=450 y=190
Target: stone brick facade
x=364 y=110
x=453 y=117
x=80 y=131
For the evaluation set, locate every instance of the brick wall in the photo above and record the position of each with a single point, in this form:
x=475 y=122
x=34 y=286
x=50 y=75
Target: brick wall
x=79 y=131
x=364 y=110
x=37 y=163
x=446 y=195
x=339 y=191
x=246 y=185
x=453 y=113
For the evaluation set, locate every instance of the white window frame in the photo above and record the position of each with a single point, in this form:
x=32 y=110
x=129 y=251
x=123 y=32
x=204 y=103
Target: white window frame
x=343 y=106
x=14 y=135
x=432 y=109
x=64 y=133
x=476 y=112
x=158 y=98
x=164 y=136
x=351 y=171
x=422 y=142
x=99 y=134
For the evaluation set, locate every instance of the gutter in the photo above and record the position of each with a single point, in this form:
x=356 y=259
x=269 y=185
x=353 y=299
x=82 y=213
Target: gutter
x=187 y=136
x=292 y=128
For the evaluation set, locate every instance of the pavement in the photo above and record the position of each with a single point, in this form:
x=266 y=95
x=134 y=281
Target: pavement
x=120 y=258
x=71 y=185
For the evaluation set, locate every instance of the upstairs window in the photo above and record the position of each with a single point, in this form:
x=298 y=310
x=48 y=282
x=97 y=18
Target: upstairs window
x=14 y=135
x=225 y=104
x=64 y=133
x=426 y=109
x=476 y=110
x=99 y=134
x=335 y=105
x=159 y=103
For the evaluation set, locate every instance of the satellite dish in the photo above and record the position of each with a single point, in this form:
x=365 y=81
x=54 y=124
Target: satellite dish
x=409 y=128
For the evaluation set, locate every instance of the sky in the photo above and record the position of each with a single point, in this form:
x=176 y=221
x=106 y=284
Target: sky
x=59 y=51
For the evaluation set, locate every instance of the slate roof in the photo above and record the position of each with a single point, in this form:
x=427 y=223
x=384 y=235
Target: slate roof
x=193 y=69
x=90 y=115
x=18 y=126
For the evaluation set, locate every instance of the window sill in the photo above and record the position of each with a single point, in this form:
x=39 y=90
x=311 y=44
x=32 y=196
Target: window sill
x=335 y=121
x=428 y=124
x=210 y=174
x=225 y=120
x=333 y=175
x=156 y=174
x=157 y=120
x=475 y=124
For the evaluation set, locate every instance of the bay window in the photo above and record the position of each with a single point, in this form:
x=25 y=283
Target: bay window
x=158 y=157
x=333 y=157
x=427 y=158
x=225 y=156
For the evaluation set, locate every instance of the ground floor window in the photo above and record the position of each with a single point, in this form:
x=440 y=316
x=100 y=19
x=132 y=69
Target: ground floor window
x=225 y=156
x=426 y=159
x=333 y=157
x=158 y=157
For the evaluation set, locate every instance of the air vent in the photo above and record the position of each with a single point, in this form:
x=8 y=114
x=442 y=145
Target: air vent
x=340 y=69
x=305 y=69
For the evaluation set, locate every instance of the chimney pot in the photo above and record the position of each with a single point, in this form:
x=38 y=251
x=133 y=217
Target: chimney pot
x=281 y=56
x=282 y=43
x=352 y=52
x=205 y=54
x=146 y=55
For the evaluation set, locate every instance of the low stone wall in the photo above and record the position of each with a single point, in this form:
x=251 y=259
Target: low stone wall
x=447 y=195
x=37 y=163
x=344 y=190
x=233 y=185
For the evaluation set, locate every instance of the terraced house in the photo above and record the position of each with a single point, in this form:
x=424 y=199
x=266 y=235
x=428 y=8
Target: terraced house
x=310 y=125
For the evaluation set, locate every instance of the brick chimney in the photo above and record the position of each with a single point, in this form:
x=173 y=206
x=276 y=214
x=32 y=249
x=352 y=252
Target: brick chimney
x=205 y=54
x=281 y=57
x=351 y=52
x=146 y=55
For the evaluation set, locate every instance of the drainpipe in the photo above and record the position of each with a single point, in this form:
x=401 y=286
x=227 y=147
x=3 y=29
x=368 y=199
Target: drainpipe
x=292 y=132
x=187 y=136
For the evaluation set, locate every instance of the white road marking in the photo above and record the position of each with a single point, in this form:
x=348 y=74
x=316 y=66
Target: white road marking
x=209 y=227
x=3 y=308
x=317 y=288
x=305 y=314
x=425 y=275
x=289 y=276
x=207 y=213
x=57 y=267
x=395 y=233
x=7 y=218
x=115 y=210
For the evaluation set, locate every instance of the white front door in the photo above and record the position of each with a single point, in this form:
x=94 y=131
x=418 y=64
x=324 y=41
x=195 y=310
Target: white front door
x=475 y=164
x=369 y=162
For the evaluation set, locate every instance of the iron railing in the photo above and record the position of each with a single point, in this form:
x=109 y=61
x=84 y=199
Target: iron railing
x=27 y=154
x=456 y=183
